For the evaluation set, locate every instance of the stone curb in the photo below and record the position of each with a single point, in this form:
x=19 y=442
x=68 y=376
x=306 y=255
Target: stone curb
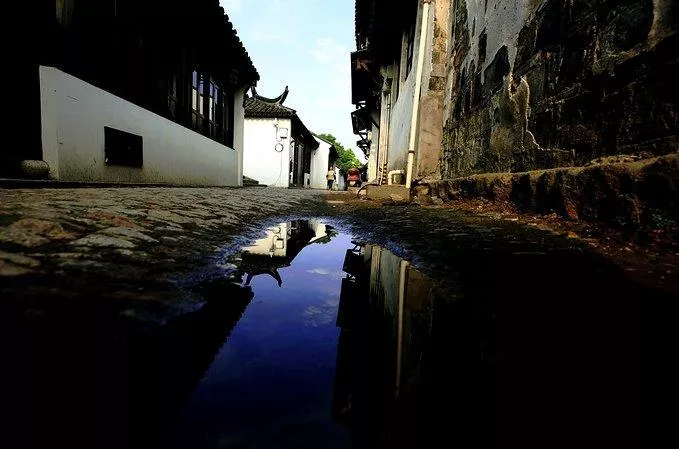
x=626 y=195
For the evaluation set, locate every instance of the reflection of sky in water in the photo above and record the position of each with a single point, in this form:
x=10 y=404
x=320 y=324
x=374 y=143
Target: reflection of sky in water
x=334 y=275
x=272 y=383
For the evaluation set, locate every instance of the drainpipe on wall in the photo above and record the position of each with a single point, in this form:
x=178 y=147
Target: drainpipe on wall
x=418 y=90
x=383 y=165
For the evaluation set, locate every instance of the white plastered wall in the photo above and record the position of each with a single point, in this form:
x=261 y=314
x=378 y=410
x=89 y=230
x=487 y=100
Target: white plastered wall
x=74 y=114
x=261 y=161
x=319 y=164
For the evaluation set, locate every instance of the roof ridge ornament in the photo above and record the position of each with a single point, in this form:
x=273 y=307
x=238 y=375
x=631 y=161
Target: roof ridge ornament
x=278 y=100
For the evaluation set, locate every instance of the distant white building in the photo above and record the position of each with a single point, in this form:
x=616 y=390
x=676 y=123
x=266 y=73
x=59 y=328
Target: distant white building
x=322 y=159
x=277 y=147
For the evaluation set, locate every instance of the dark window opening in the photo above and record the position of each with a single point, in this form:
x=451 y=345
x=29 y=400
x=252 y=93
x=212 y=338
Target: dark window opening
x=483 y=47
x=172 y=96
x=123 y=148
x=211 y=108
x=219 y=112
x=228 y=119
x=197 y=103
x=395 y=85
x=477 y=97
x=410 y=49
x=215 y=113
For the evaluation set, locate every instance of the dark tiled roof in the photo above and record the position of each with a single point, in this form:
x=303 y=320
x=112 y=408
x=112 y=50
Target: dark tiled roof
x=258 y=106
x=255 y=107
x=235 y=43
x=363 y=21
x=247 y=61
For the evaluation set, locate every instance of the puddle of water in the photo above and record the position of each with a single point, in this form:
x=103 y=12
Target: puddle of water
x=318 y=341
x=325 y=353
x=271 y=384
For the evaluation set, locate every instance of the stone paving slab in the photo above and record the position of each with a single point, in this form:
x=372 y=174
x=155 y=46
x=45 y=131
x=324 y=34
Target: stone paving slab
x=137 y=245
x=122 y=242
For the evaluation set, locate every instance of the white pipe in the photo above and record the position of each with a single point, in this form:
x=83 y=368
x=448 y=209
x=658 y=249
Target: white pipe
x=385 y=157
x=418 y=87
x=390 y=174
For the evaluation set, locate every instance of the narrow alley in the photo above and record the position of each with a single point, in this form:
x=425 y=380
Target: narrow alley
x=170 y=311
x=346 y=224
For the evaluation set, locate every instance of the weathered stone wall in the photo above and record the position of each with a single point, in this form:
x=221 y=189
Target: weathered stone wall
x=433 y=93
x=539 y=84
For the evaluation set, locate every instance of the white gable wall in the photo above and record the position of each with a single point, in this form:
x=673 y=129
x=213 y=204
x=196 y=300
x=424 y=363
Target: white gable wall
x=239 y=131
x=261 y=161
x=320 y=158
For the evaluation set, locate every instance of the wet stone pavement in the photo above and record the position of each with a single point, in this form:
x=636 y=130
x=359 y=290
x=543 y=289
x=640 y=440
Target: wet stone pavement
x=123 y=243
x=261 y=318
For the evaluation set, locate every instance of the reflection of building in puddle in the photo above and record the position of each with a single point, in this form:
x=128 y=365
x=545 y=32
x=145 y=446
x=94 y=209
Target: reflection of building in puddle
x=280 y=247
x=385 y=321
x=323 y=232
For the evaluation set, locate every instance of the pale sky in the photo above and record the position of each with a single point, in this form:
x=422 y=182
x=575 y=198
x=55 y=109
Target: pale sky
x=304 y=44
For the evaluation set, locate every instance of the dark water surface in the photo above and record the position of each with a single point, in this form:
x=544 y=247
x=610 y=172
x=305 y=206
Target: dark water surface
x=328 y=354
x=312 y=339
x=271 y=385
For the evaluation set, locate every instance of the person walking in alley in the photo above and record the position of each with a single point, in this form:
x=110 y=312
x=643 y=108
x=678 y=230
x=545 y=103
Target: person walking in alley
x=330 y=177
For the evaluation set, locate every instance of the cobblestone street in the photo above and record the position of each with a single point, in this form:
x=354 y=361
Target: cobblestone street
x=136 y=243
x=134 y=272
x=81 y=240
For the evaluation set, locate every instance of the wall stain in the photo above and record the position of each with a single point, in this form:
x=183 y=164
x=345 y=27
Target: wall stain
x=587 y=82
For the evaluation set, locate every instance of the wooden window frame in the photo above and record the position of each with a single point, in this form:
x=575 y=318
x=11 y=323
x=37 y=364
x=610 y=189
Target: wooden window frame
x=211 y=107
x=197 y=103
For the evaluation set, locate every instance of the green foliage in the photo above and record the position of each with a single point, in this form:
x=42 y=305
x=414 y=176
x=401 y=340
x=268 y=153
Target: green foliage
x=346 y=157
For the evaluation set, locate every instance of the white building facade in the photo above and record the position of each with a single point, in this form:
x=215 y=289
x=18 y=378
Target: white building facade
x=322 y=159
x=75 y=119
x=278 y=149
x=267 y=151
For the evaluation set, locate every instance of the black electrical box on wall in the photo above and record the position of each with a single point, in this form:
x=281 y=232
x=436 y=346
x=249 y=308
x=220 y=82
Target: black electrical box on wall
x=122 y=148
